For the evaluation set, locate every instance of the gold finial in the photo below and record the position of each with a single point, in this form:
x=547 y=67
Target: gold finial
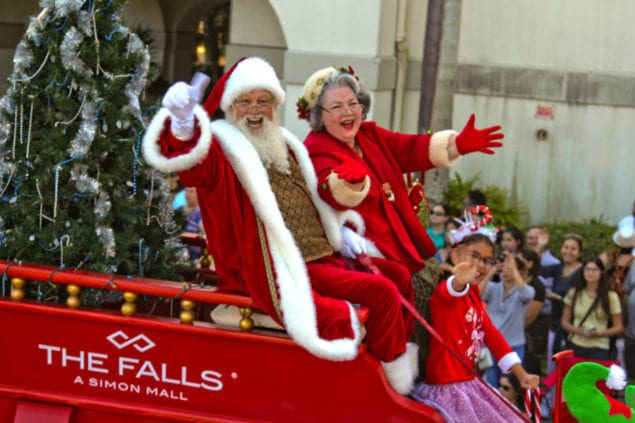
x=73 y=301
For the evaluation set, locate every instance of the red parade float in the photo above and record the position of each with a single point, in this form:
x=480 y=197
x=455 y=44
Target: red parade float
x=176 y=363
x=68 y=363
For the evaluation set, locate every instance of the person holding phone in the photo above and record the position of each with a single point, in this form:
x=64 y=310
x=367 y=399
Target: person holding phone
x=592 y=312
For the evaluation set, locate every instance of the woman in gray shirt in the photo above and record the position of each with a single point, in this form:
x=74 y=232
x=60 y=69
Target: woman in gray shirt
x=506 y=302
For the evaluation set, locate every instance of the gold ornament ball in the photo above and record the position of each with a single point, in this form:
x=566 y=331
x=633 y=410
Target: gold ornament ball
x=187 y=305
x=18 y=283
x=128 y=309
x=17 y=294
x=129 y=297
x=187 y=316
x=73 y=290
x=245 y=312
x=246 y=324
x=73 y=302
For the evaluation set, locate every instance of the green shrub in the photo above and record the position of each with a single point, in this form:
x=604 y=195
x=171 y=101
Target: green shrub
x=596 y=234
x=506 y=211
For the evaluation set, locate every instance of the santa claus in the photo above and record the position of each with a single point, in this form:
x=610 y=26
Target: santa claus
x=268 y=230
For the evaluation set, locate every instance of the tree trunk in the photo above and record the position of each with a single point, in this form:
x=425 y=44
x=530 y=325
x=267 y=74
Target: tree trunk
x=440 y=57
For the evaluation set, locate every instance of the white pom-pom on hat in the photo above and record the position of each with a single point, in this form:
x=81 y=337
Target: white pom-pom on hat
x=616 y=378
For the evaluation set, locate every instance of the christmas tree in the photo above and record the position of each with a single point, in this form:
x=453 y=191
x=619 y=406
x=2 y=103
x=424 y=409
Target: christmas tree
x=73 y=189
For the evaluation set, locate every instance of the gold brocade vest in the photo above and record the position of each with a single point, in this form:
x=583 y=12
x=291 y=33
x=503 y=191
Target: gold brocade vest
x=299 y=212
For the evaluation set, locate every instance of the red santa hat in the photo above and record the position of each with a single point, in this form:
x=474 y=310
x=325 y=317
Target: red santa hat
x=248 y=73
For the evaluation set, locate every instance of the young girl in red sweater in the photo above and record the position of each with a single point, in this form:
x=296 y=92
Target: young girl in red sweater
x=458 y=315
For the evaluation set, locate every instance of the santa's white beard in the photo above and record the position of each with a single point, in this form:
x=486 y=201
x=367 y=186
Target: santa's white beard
x=268 y=142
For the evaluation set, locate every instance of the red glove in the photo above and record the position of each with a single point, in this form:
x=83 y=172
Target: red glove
x=349 y=169
x=471 y=139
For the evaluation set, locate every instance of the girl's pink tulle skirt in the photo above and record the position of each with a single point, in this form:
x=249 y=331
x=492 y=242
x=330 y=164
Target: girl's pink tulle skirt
x=469 y=401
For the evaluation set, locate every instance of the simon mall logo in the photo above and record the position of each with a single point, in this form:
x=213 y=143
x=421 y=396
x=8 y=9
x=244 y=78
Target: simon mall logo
x=140 y=342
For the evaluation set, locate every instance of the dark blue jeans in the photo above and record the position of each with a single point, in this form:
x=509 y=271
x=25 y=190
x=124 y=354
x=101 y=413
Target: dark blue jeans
x=494 y=373
x=592 y=353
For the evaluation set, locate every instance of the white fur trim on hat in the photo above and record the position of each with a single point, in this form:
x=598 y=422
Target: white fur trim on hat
x=250 y=74
x=313 y=86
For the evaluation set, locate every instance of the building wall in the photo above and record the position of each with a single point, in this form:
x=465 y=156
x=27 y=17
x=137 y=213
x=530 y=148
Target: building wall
x=569 y=58
x=306 y=36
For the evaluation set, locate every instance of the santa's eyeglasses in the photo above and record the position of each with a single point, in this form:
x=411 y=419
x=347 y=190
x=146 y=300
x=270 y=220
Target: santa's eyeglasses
x=260 y=105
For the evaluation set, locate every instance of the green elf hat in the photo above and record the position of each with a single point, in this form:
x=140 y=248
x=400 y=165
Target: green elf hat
x=590 y=405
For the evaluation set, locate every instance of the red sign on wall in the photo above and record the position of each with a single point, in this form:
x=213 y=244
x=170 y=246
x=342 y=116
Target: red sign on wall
x=544 y=112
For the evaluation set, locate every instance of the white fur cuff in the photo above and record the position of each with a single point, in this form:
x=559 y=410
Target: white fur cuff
x=344 y=193
x=453 y=292
x=508 y=360
x=152 y=150
x=438 y=148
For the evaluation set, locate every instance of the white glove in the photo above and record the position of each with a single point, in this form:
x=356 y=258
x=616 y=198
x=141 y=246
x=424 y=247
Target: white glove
x=180 y=100
x=352 y=243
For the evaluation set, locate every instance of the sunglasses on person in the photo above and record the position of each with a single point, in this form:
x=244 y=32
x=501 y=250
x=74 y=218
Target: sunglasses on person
x=437 y=213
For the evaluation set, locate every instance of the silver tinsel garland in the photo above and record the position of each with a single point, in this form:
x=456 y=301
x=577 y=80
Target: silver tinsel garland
x=80 y=145
x=107 y=238
x=22 y=59
x=64 y=8
x=102 y=205
x=70 y=53
x=83 y=183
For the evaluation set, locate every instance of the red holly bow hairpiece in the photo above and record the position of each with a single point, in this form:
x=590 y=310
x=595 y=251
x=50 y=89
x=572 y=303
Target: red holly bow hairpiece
x=303 y=109
x=349 y=70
